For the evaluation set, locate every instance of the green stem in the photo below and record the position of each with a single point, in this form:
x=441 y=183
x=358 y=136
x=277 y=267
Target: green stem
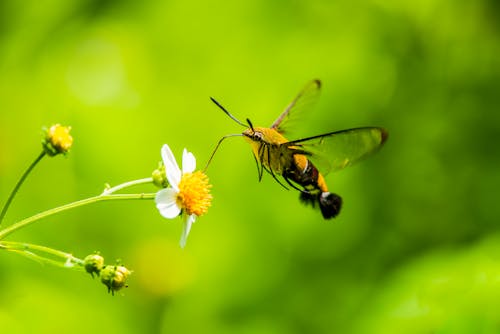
x=31 y=251
x=25 y=222
x=109 y=191
x=18 y=185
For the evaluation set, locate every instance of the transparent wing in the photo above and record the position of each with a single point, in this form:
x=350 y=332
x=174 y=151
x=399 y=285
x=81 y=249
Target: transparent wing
x=303 y=101
x=337 y=150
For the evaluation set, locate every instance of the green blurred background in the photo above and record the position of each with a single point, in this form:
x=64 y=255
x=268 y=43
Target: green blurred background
x=416 y=248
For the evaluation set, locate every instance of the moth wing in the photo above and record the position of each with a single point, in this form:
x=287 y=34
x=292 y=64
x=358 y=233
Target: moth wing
x=304 y=101
x=337 y=150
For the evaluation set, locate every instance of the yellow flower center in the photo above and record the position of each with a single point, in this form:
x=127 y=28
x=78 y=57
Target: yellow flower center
x=60 y=138
x=194 y=193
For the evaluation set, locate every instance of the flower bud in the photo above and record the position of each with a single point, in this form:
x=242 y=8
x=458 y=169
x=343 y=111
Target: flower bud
x=57 y=140
x=93 y=264
x=160 y=177
x=114 y=277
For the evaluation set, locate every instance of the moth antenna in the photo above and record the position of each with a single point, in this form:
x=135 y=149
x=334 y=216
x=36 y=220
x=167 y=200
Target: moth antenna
x=217 y=147
x=227 y=112
x=250 y=124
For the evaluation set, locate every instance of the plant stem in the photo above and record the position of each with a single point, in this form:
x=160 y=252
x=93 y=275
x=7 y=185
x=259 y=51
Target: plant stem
x=25 y=222
x=18 y=185
x=109 y=191
x=31 y=251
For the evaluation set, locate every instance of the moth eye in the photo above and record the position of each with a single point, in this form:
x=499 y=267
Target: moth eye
x=258 y=136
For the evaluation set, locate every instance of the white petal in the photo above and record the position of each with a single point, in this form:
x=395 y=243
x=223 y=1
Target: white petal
x=187 y=227
x=188 y=162
x=166 y=203
x=171 y=168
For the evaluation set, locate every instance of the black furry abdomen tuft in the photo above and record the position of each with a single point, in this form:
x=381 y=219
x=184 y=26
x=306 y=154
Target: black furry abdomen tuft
x=329 y=204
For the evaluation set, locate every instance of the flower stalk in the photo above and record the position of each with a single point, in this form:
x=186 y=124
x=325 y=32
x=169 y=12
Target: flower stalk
x=114 y=277
x=42 y=254
x=112 y=197
x=107 y=195
x=114 y=189
x=19 y=184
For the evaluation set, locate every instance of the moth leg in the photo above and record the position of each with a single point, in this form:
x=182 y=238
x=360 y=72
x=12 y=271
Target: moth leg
x=269 y=169
x=259 y=169
x=293 y=185
x=277 y=180
x=260 y=166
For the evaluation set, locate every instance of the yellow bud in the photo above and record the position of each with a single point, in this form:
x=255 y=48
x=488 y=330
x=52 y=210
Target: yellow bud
x=93 y=264
x=160 y=177
x=114 y=277
x=57 y=140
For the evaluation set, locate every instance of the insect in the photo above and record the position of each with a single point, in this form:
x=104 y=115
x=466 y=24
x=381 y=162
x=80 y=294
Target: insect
x=302 y=163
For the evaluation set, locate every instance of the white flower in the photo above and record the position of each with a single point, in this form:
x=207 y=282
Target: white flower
x=189 y=191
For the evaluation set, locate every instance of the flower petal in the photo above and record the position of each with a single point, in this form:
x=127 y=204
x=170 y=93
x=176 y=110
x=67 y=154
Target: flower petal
x=166 y=203
x=188 y=162
x=187 y=227
x=171 y=168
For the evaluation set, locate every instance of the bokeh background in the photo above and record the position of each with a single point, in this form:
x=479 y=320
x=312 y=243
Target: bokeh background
x=416 y=248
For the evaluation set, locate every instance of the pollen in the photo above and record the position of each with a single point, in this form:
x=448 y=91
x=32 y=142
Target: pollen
x=194 y=193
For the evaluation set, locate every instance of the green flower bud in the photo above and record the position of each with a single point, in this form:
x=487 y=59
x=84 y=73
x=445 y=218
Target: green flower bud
x=93 y=264
x=160 y=177
x=57 y=140
x=114 y=277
